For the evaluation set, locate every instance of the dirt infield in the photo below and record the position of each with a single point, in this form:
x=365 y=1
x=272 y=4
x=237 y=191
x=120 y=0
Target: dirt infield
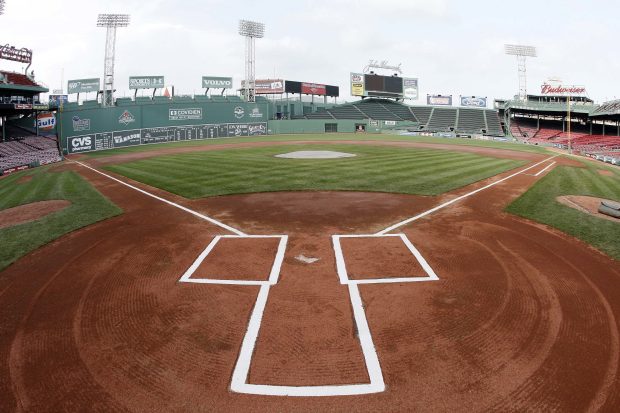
x=30 y=212
x=586 y=204
x=521 y=318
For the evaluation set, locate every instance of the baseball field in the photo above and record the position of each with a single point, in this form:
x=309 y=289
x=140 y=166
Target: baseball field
x=418 y=274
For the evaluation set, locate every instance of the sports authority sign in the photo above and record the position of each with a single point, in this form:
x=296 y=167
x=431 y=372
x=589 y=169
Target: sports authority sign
x=217 y=82
x=83 y=85
x=573 y=90
x=146 y=82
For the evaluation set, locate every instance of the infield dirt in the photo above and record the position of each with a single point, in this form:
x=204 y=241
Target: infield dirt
x=522 y=318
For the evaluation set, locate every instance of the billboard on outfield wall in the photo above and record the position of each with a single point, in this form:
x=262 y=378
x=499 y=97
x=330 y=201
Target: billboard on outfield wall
x=474 y=101
x=217 y=82
x=439 y=100
x=357 y=84
x=267 y=86
x=122 y=138
x=83 y=85
x=410 y=88
x=146 y=82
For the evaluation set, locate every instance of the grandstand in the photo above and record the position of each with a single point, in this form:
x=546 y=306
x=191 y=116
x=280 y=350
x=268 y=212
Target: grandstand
x=428 y=118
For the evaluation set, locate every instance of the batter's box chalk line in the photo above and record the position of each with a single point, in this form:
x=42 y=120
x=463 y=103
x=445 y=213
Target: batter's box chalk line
x=341 y=265
x=239 y=382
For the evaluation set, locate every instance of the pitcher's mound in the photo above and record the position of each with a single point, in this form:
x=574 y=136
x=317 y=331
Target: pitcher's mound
x=315 y=155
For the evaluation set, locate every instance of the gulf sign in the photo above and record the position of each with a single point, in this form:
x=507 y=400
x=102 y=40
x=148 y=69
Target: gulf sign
x=313 y=89
x=46 y=122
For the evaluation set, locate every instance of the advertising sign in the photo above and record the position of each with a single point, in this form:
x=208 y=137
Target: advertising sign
x=547 y=89
x=313 y=89
x=146 y=82
x=410 y=88
x=117 y=139
x=185 y=114
x=84 y=85
x=57 y=100
x=46 y=121
x=475 y=101
x=217 y=82
x=268 y=86
x=80 y=124
x=439 y=100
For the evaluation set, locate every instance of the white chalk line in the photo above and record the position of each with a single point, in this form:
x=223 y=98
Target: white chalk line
x=181 y=207
x=240 y=376
x=545 y=168
x=452 y=201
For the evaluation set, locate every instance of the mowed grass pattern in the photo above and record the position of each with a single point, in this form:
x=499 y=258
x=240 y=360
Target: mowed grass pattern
x=539 y=204
x=317 y=137
x=375 y=168
x=87 y=206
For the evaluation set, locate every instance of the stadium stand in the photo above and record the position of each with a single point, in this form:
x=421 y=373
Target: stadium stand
x=347 y=112
x=443 y=119
x=375 y=110
x=471 y=120
x=494 y=126
x=422 y=113
x=18 y=79
x=28 y=150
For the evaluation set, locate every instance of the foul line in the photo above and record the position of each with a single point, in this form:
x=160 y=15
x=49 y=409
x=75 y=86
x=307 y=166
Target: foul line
x=545 y=168
x=437 y=208
x=181 y=207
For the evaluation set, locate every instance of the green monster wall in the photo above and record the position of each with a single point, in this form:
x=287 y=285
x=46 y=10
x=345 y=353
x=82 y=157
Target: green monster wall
x=84 y=129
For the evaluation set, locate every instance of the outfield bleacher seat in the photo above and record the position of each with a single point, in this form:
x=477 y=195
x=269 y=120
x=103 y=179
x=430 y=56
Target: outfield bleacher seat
x=443 y=119
x=27 y=150
x=494 y=126
x=161 y=99
x=143 y=99
x=471 y=120
x=218 y=98
x=234 y=98
x=422 y=113
x=202 y=98
x=347 y=112
x=375 y=110
x=124 y=102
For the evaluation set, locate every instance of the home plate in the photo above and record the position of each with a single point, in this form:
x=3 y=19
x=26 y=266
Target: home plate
x=315 y=155
x=306 y=260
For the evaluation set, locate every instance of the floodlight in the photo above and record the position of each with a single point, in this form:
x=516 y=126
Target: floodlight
x=113 y=20
x=1 y=6
x=249 y=28
x=110 y=22
x=520 y=50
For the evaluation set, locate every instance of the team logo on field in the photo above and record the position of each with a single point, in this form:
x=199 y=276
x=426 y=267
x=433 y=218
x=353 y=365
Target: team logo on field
x=126 y=118
x=239 y=112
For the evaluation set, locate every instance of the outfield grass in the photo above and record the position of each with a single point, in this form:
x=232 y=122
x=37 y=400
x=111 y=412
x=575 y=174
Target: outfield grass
x=539 y=204
x=323 y=137
x=87 y=206
x=375 y=168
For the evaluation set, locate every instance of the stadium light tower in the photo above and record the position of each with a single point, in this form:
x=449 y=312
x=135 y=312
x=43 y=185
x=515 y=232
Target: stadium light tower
x=522 y=52
x=110 y=22
x=1 y=6
x=251 y=31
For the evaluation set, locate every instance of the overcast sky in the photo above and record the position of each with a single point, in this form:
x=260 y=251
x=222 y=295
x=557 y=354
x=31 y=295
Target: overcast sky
x=453 y=47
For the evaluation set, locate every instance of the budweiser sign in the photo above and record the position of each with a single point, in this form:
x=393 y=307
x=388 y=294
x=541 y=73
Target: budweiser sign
x=562 y=90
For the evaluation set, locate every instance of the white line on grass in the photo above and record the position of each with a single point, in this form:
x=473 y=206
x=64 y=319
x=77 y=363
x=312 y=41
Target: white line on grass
x=452 y=201
x=198 y=214
x=545 y=168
